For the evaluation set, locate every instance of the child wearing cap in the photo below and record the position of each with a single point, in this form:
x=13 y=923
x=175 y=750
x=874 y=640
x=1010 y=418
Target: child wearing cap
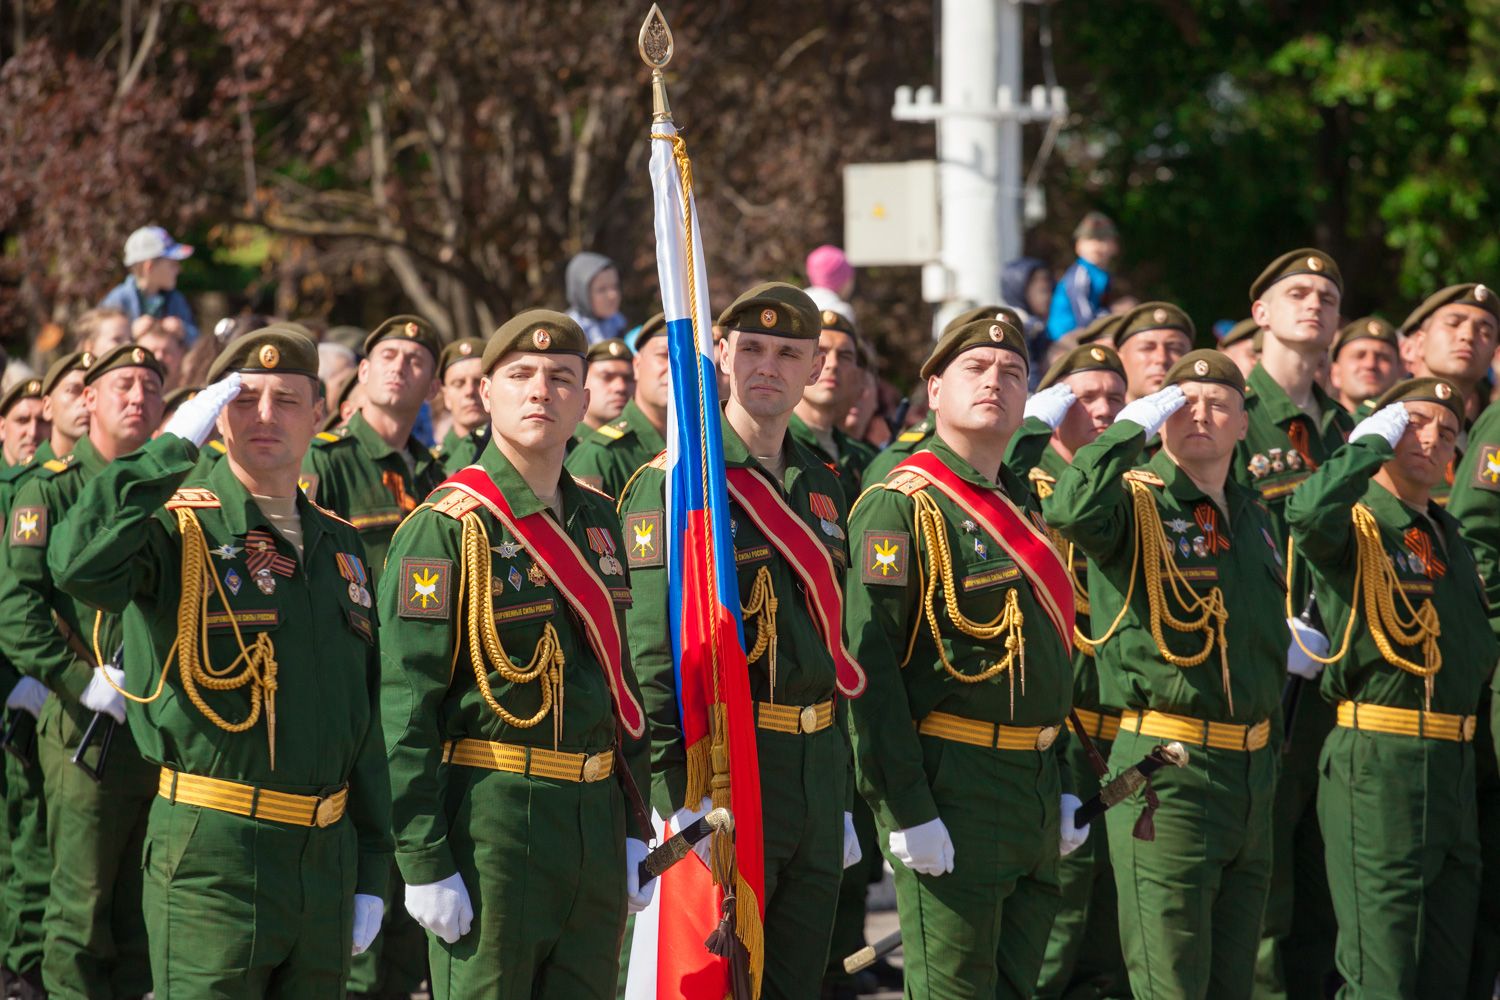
x=153 y=259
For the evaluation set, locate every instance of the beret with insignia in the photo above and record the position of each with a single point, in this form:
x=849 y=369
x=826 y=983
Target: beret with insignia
x=1102 y=326
x=27 y=388
x=1365 y=328
x=406 y=327
x=534 y=331
x=1083 y=358
x=832 y=319
x=980 y=333
x=124 y=356
x=1206 y=366
x=1480 y=296
x=1305 y=260
x=1245 y=329
x=656 y=324
x=1154 y=316
x=177 y=397
x=78 y=360
x=983 y=312
x=276 y=349
x=613 y=349
x=461 y=349
x=775 y=308
x=1424 y=390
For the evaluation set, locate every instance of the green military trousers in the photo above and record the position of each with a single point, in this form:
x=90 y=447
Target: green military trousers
x=1191 y=901
x=27 y=864
x=395 y=964
x=981 y=930
x=544 y=864
x=95 y=935
x=1083 y=957
x=854 y=889
x=1484 y=966
x=241 y=909
x=1399 y=817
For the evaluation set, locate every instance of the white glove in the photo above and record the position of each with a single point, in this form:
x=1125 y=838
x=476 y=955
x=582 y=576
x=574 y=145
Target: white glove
x=1051 y=404
x=194 y=420
x=1152 y=411
x=852 y=853
x=1297 y=661
x=1388 y=422
x=101 y=696
x=1071 y=837
x=442 y=907
x=29 y=695
x=685 y=817
x=639 y=896
x=368 y=911
x=924 y=848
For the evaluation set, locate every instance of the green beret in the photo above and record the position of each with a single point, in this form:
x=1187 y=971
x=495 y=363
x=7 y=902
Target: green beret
x=79 y=360
x=774 y=308
x=1083 y=358
x=1424 y=390
x=536 y=331
x=981 y=333
x=832 y=319
x=274 y=349
x=407 y=327
x=982 y=312
x=124 y=356
x=1154 y=316
x=1103 y=325
x=656 y=324
x=1245 y=329
x=613 y=349
x=1365 y=328
x=177 y=397
x=27 y=388
x=1205 y=366
x=1303 y=261
x=1479 y=296
x=461 y=349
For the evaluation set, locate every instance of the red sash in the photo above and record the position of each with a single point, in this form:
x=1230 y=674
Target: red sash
x=571 y=574
x=797 y=544
x=1024 y=542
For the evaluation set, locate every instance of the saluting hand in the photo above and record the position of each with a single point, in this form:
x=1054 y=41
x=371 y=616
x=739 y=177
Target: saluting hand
x=1388 y=422
x=1052 y=404
x=194 y=420
x=1150 y=412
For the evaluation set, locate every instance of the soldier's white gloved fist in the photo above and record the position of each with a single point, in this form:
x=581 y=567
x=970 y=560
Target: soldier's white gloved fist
x=368 y=911
x=638 y=896
x=925 y=848
x=101 y=696
x=1312 y=641
x=852 y=853
x=29 y=695
x=194 y=420
x=1388 y=422
x=1070 y=837
x=685 y=817
x=442 y=907
x=1052 y=404
x=1150 y=412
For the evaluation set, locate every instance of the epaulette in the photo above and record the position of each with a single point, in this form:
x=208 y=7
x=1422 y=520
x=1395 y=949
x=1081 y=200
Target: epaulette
x=908 y=437
x=614 y=431
x=330 y=514
x=1040 y=475
x=1042 y=483
x=1144 y=476
x=591 y=488
x=456 y=504
x=193 y=497
x=331 y=437
x=57 y=464
x=219 y=446
x=905 y=483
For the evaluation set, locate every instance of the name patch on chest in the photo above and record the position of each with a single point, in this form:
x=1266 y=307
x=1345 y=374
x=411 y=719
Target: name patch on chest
x=991 y=578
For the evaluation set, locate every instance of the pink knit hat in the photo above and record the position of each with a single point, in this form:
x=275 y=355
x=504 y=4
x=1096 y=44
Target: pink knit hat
x=827 y=267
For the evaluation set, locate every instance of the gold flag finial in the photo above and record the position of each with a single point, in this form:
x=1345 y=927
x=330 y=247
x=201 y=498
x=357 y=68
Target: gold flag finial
x=655 y=44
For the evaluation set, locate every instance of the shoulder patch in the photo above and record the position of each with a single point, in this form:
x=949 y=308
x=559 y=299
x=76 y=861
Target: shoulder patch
x=910 y=437
x=193 y=497
x=1038 y=475
x=884 y=557
x=325 y=436
x=55 y=464
x=658 y=462
x=425 y=588
x=28 y=526
x=905 y=483
x=1487 y=469
x=644 y=545
x=219 y=446
x=456 y=504
x=1144 y=476
x=612 y=431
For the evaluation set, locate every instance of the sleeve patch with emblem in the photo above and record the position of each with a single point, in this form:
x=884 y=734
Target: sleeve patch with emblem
x=644 y=545
x=1487 y=469
x=28 y=526
x=425 y=589
x=884 y=557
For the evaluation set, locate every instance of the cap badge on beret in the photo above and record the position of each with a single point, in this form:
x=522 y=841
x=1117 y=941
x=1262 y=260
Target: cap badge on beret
x=541 y=338
x=1442 y=390
x=768 y=317
x=1481 y=293
x=1373 y=327
x=1097 y=354
x=1200 y=367
x=412 y=329
x=34 y=386
x=86 y=360
x=829 y=316
x=465 y=348
x=1314 y=264
x=616 y=350
x=138 y=355
x=1159 y=316
x=997 y=334
x=270 y=357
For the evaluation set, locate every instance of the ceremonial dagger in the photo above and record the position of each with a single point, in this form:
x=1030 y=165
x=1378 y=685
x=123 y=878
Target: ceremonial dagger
x=680 y=844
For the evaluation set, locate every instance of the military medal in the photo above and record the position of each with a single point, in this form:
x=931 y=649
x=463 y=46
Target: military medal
x=827 y=513
x=507 y=550
x=352 y=568
x=262 y=557
x=601 y=542
x=1200 y=547
x=226 y=551
x=514 y=576
x=1214 y=541
x=1184 y=546
x=233 y=581
x=969 y=526
x=1277 y=465
x=1294 y=460
x=979 y=549
x=536 y=576
x=1178 y=525
x=265 y=581
x=734 y=527
x=1259 y=465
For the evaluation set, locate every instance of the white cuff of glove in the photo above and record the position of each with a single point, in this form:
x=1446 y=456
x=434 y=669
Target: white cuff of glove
x=442 y=907
x=29 y=695
x=638 y=896
x=1298 y=661
x=1052 y=404
x=1071 y=838
x=101 y=696
x=925 y=848
x=368 y=912
x=1388 y=422
x=852 y=853
x=194 y=420
x=685 y=817
x=1150 y=412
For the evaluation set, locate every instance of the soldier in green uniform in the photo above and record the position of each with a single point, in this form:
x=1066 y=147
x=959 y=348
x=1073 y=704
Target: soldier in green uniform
x=816 y=422
x=253 y=681
x=459 y=374
x=611 y=383
x=371 y=471
x=1363 y=363
x=961 y=612
x=95 y=936
x=608 y=458
x=1242 y=345
x=1397 y=790
x=1101 y=330
x=509 y=702
x=1150 y=339
x=22 y=426
x=62 y=404
x=1182 y=576
x=1294 y=427
x=770 y=355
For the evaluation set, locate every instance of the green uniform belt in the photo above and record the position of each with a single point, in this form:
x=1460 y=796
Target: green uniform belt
x=1406 y=722
x=1219 y=735
x=247 y=800
x=1099 y=725
x=987 y=734
x=794 y=719
x=533 y=761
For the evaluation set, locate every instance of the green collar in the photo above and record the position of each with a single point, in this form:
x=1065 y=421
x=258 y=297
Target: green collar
x=374 y=445
x=89 y=459
x=804 y=435
x=1278 y=405
x=242 y=514
x=737 y=456
x=518 y=494
x=636 y=419
x=1181 y=486
x=1008 y=483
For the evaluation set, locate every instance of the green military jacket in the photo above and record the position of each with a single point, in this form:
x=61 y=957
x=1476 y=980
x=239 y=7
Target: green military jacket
x=805 y=672
x=458 y=451
x=889 y=635
x=1093 y=507
x=851 y=461
x=122 y=550
x=355 y=474
x=430 y=692
x=1431 y=563
x=1475 y=502
x=10 y=482
x=912 y=439
x=609 y=457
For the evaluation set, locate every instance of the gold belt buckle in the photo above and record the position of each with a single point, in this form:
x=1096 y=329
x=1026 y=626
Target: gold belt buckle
x=1046 y=737
x=808 y=718
x=327 y=812
x=595 y=768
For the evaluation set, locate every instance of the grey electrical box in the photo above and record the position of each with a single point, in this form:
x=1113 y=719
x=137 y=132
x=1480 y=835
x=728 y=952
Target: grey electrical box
x=891 y=213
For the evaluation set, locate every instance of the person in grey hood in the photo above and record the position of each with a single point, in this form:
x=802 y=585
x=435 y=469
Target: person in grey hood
x=1026 y=286
x=593 y=286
